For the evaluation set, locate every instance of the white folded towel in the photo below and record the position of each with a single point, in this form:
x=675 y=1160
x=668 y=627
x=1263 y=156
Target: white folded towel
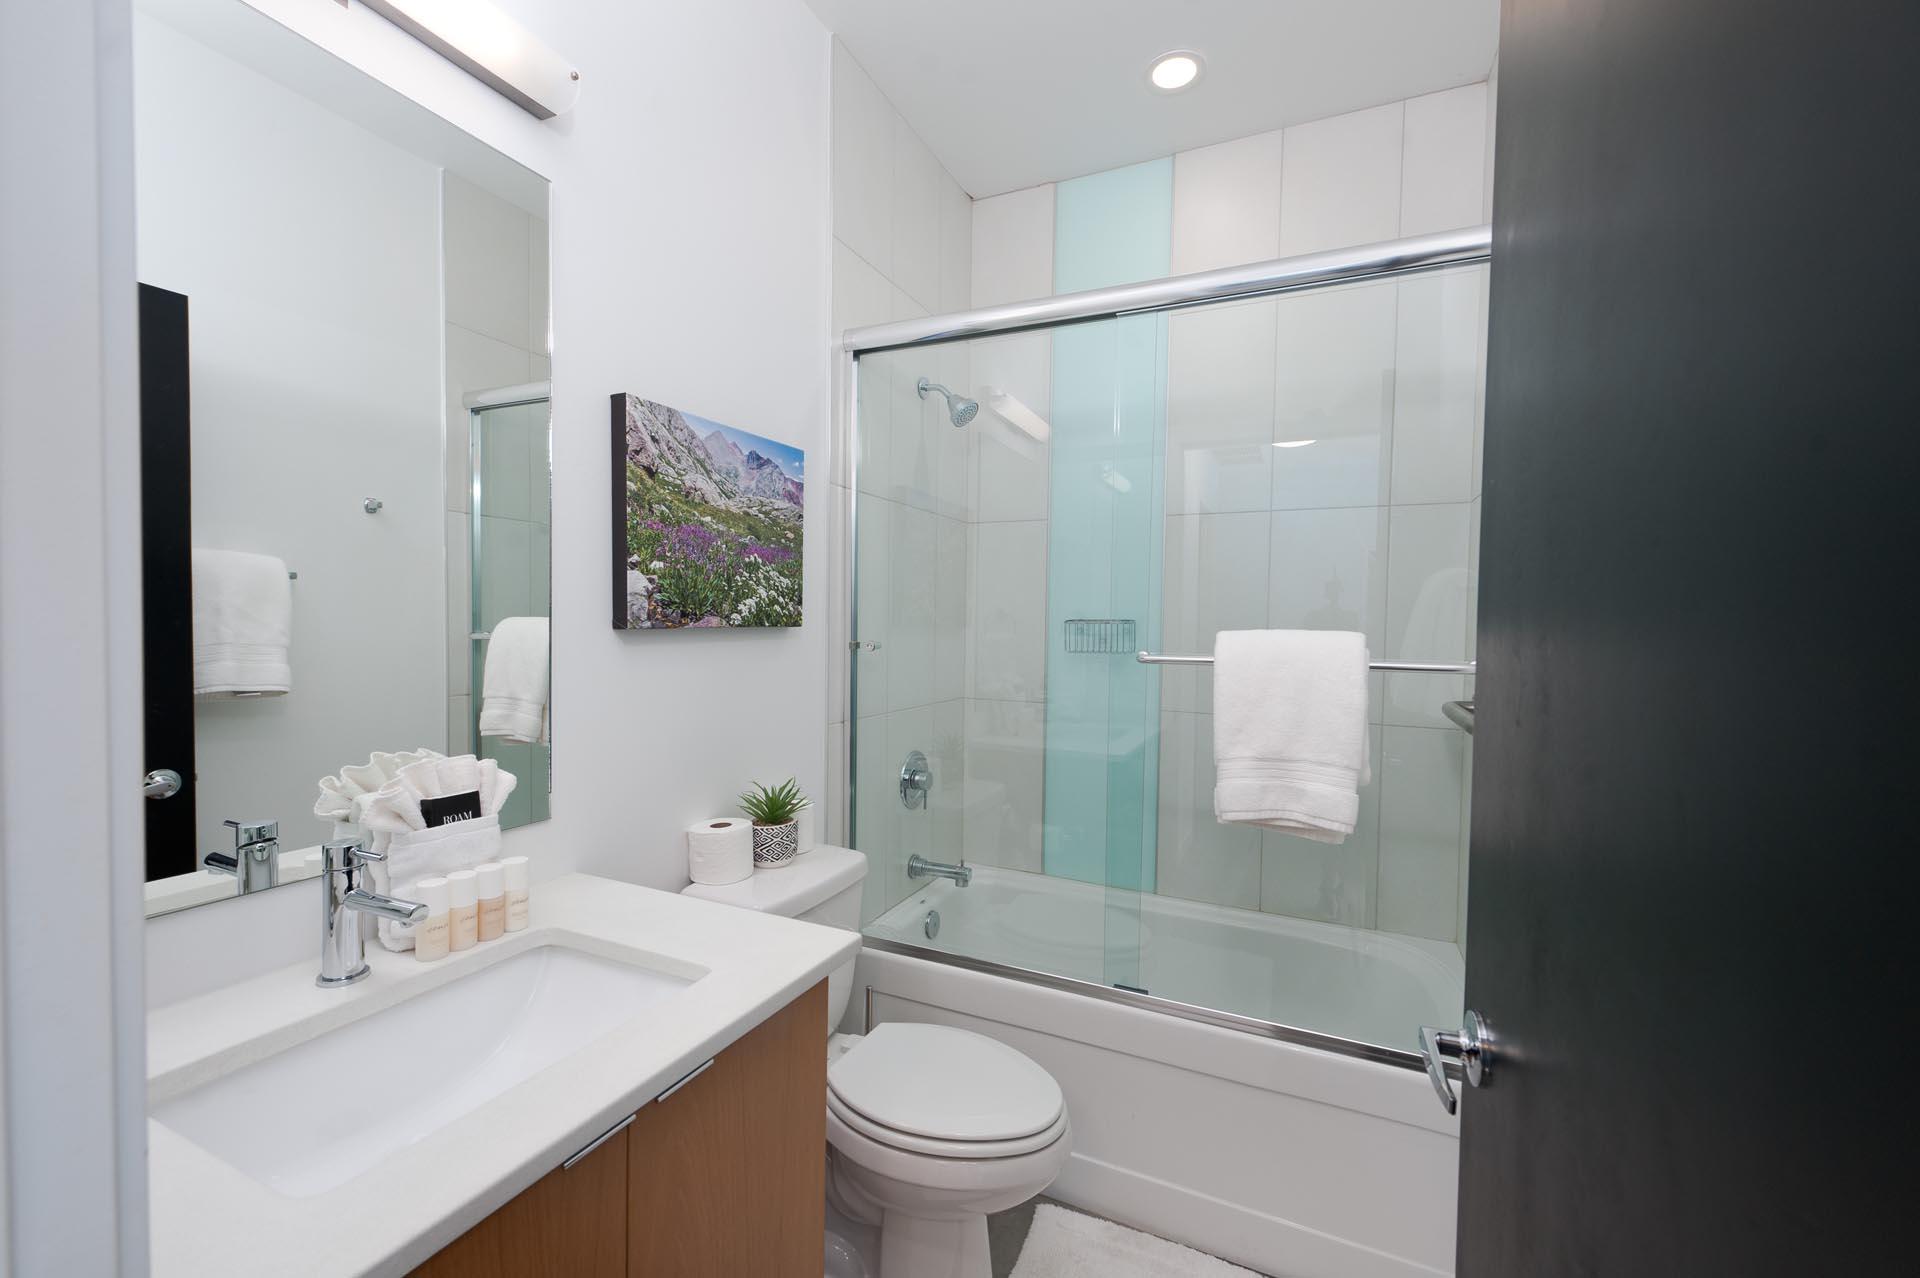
x=414 y=850
x=1290 y=730
x=242 y=624
x=513 y=692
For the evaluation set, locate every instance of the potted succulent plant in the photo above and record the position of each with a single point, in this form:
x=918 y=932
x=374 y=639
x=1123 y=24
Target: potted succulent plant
x=776 y=832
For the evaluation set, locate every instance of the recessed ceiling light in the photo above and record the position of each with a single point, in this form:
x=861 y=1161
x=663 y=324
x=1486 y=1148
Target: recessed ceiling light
x=1294 y=443
x=1175 y=71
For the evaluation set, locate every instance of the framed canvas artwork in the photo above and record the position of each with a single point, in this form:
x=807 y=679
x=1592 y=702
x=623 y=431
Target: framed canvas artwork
x=707 y=527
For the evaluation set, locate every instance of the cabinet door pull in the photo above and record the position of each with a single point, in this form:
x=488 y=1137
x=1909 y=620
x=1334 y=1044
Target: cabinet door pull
x=600 y=1140
x=686 y=1078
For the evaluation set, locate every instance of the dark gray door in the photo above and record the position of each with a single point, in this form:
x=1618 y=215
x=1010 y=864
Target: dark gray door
x=1692 y=909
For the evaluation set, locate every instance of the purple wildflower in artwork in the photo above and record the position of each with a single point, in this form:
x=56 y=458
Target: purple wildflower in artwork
x=707 y=522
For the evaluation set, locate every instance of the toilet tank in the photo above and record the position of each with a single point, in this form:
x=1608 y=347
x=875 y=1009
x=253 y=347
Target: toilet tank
x=822 y=886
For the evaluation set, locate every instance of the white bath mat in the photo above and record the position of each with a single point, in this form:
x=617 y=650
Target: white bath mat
x=1066 y=1244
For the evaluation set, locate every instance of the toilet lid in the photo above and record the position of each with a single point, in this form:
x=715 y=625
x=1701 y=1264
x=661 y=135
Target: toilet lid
x=951 y=1084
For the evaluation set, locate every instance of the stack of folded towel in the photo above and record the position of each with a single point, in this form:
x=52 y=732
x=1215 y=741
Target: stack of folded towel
x=435 y=816
x=343 y=795
x=513 y=691
x=1290 y=730
x=242 y=625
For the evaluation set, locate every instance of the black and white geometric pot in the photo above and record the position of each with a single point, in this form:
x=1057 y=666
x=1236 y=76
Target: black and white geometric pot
x=775 y=845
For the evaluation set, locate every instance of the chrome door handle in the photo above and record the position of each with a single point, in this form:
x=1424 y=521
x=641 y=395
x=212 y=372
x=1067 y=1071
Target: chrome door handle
x=161 y=783
x=1471 y=1045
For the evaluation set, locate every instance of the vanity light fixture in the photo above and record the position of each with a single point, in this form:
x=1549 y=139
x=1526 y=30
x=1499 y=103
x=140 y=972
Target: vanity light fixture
x=1172 y=72
x=490 y=46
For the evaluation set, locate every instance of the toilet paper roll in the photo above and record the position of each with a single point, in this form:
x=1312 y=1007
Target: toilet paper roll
x=808 y=838
x=719 y=850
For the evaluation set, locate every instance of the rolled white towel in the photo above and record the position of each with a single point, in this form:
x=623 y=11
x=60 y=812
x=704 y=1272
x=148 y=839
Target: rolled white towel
x=242 y=625
x=1290 y=730
x=513 y=695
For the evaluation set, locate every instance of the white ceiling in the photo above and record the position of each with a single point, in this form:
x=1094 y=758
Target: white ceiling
x=1010 y=93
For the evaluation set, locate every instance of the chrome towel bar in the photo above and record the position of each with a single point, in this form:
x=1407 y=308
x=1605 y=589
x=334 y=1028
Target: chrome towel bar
x=1417 y=667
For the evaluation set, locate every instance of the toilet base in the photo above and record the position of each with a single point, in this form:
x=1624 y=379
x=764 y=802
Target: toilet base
x=920 y=1247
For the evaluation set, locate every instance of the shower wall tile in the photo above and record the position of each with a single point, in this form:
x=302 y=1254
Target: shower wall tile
x=506 y=570
x=1013 y=246
x=1214 y=578
x=1427 y=599
x=1340 y=181
x=871 y=454
x=459 y=575
x=1436 y=387
x=918 y=184
x=1013 y=379
x=1420 y=815
x=1226 y=203
x=863 y=158
x=1200 y=859
x=861 y=294
x=1327 y=570
x=839 y=595
x=539 y=286
x=1334 y=386
x=459 y=725
x=475 y=362
x=1442 y=168
x=956 y=248
x=873 y=618
x=1005 y=778
x=485 y=262
x=504 y=451
x=832 y=805
x=953 y=584
x=1220 y=394
x=1009 y=612
x=1336 y=883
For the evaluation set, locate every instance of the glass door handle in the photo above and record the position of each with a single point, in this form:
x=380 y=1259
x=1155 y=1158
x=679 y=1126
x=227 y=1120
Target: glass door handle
x=1471 y=1045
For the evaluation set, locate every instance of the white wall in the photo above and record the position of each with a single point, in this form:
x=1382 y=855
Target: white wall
x=70 y=815
x=690 y=264
x=312 y=276
x=902 y=249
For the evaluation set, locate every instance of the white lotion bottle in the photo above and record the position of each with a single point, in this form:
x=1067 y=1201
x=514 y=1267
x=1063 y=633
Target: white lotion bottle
x=515 y=868
x=430 y=939
x=493 y=904
x=464 y=913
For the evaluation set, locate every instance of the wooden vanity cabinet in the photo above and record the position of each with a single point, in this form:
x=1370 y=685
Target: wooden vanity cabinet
x=720 y=1178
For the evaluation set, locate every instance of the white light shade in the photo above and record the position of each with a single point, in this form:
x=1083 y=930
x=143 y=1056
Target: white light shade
x=1175 y=70
x=490 y=46
x=1009 y=408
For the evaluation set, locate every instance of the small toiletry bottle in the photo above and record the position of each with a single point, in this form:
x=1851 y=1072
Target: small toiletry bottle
x=463 y=914
x=493 y=902
x=516 y=871
x=430 y=938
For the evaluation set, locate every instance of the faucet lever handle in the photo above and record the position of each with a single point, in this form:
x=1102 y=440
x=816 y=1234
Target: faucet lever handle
x=342 y=855
x=245 y=832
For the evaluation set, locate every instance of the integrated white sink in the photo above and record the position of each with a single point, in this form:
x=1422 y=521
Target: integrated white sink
x=318 y=1114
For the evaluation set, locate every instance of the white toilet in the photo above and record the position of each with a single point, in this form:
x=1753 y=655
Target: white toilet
x=929 y=1128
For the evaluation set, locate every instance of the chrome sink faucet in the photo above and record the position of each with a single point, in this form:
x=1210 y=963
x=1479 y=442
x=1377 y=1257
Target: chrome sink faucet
x=255 y=859
x=345 y=906
x=918 y=867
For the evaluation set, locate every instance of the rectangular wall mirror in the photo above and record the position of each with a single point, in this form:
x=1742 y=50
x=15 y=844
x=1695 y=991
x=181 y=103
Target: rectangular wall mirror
x=344 y=448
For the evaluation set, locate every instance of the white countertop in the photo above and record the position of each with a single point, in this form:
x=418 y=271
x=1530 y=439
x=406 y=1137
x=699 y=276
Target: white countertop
x=208 y=1219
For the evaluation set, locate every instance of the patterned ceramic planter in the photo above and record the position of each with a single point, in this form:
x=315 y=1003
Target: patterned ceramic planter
x=775 y=845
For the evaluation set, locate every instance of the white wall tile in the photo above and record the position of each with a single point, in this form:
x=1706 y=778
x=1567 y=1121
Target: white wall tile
x=1340 y=181
x=873 y=609
x=950 y=447
x=1419 y=890
x=871 y=451
x=1013 y=246
x=863 y=123
x=911 y=606
x=956 y=247
x=486 y=267
x=1220 y=388
x=876 y=814
x=1493 y=115
x=918 y=184
x=1444 y=154
x=1334 y=386
x=1011 y=464
x=952 y=582
x=1214 y=578
x=861 y=294
x=459 y=571
x=474 y=362
x=1436 y=387
x=832 y=815
x=1480 y=379
x=1005 y=775
x=1427 y=593
x=1331 y=882
x=1328 y=571
x=1200 y=859
x=459 y=725
x=838 y=596
x=945 y=809
x=1009 y=614
x=1226 y=203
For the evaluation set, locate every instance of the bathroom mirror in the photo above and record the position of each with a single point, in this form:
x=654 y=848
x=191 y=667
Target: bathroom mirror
x=344 y=445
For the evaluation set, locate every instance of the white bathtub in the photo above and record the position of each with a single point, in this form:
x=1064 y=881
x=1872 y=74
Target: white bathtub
x=1271 y=1152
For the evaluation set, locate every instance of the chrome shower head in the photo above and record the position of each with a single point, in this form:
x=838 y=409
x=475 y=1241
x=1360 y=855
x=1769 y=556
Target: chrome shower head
x=960 y=410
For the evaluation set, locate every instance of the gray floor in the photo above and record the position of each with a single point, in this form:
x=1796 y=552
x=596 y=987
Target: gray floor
x=1007 y=1232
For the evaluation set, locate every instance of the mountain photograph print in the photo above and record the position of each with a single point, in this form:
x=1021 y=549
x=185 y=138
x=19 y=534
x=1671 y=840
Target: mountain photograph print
x=707 y=522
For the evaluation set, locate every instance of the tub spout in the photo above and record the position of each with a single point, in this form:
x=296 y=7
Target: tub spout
x=918 y=867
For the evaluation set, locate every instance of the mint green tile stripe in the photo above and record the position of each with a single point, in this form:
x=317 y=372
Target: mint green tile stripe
x=1104 y=543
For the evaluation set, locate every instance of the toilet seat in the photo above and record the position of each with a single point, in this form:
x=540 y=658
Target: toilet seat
x=935 y=1147
x=945 y=1092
